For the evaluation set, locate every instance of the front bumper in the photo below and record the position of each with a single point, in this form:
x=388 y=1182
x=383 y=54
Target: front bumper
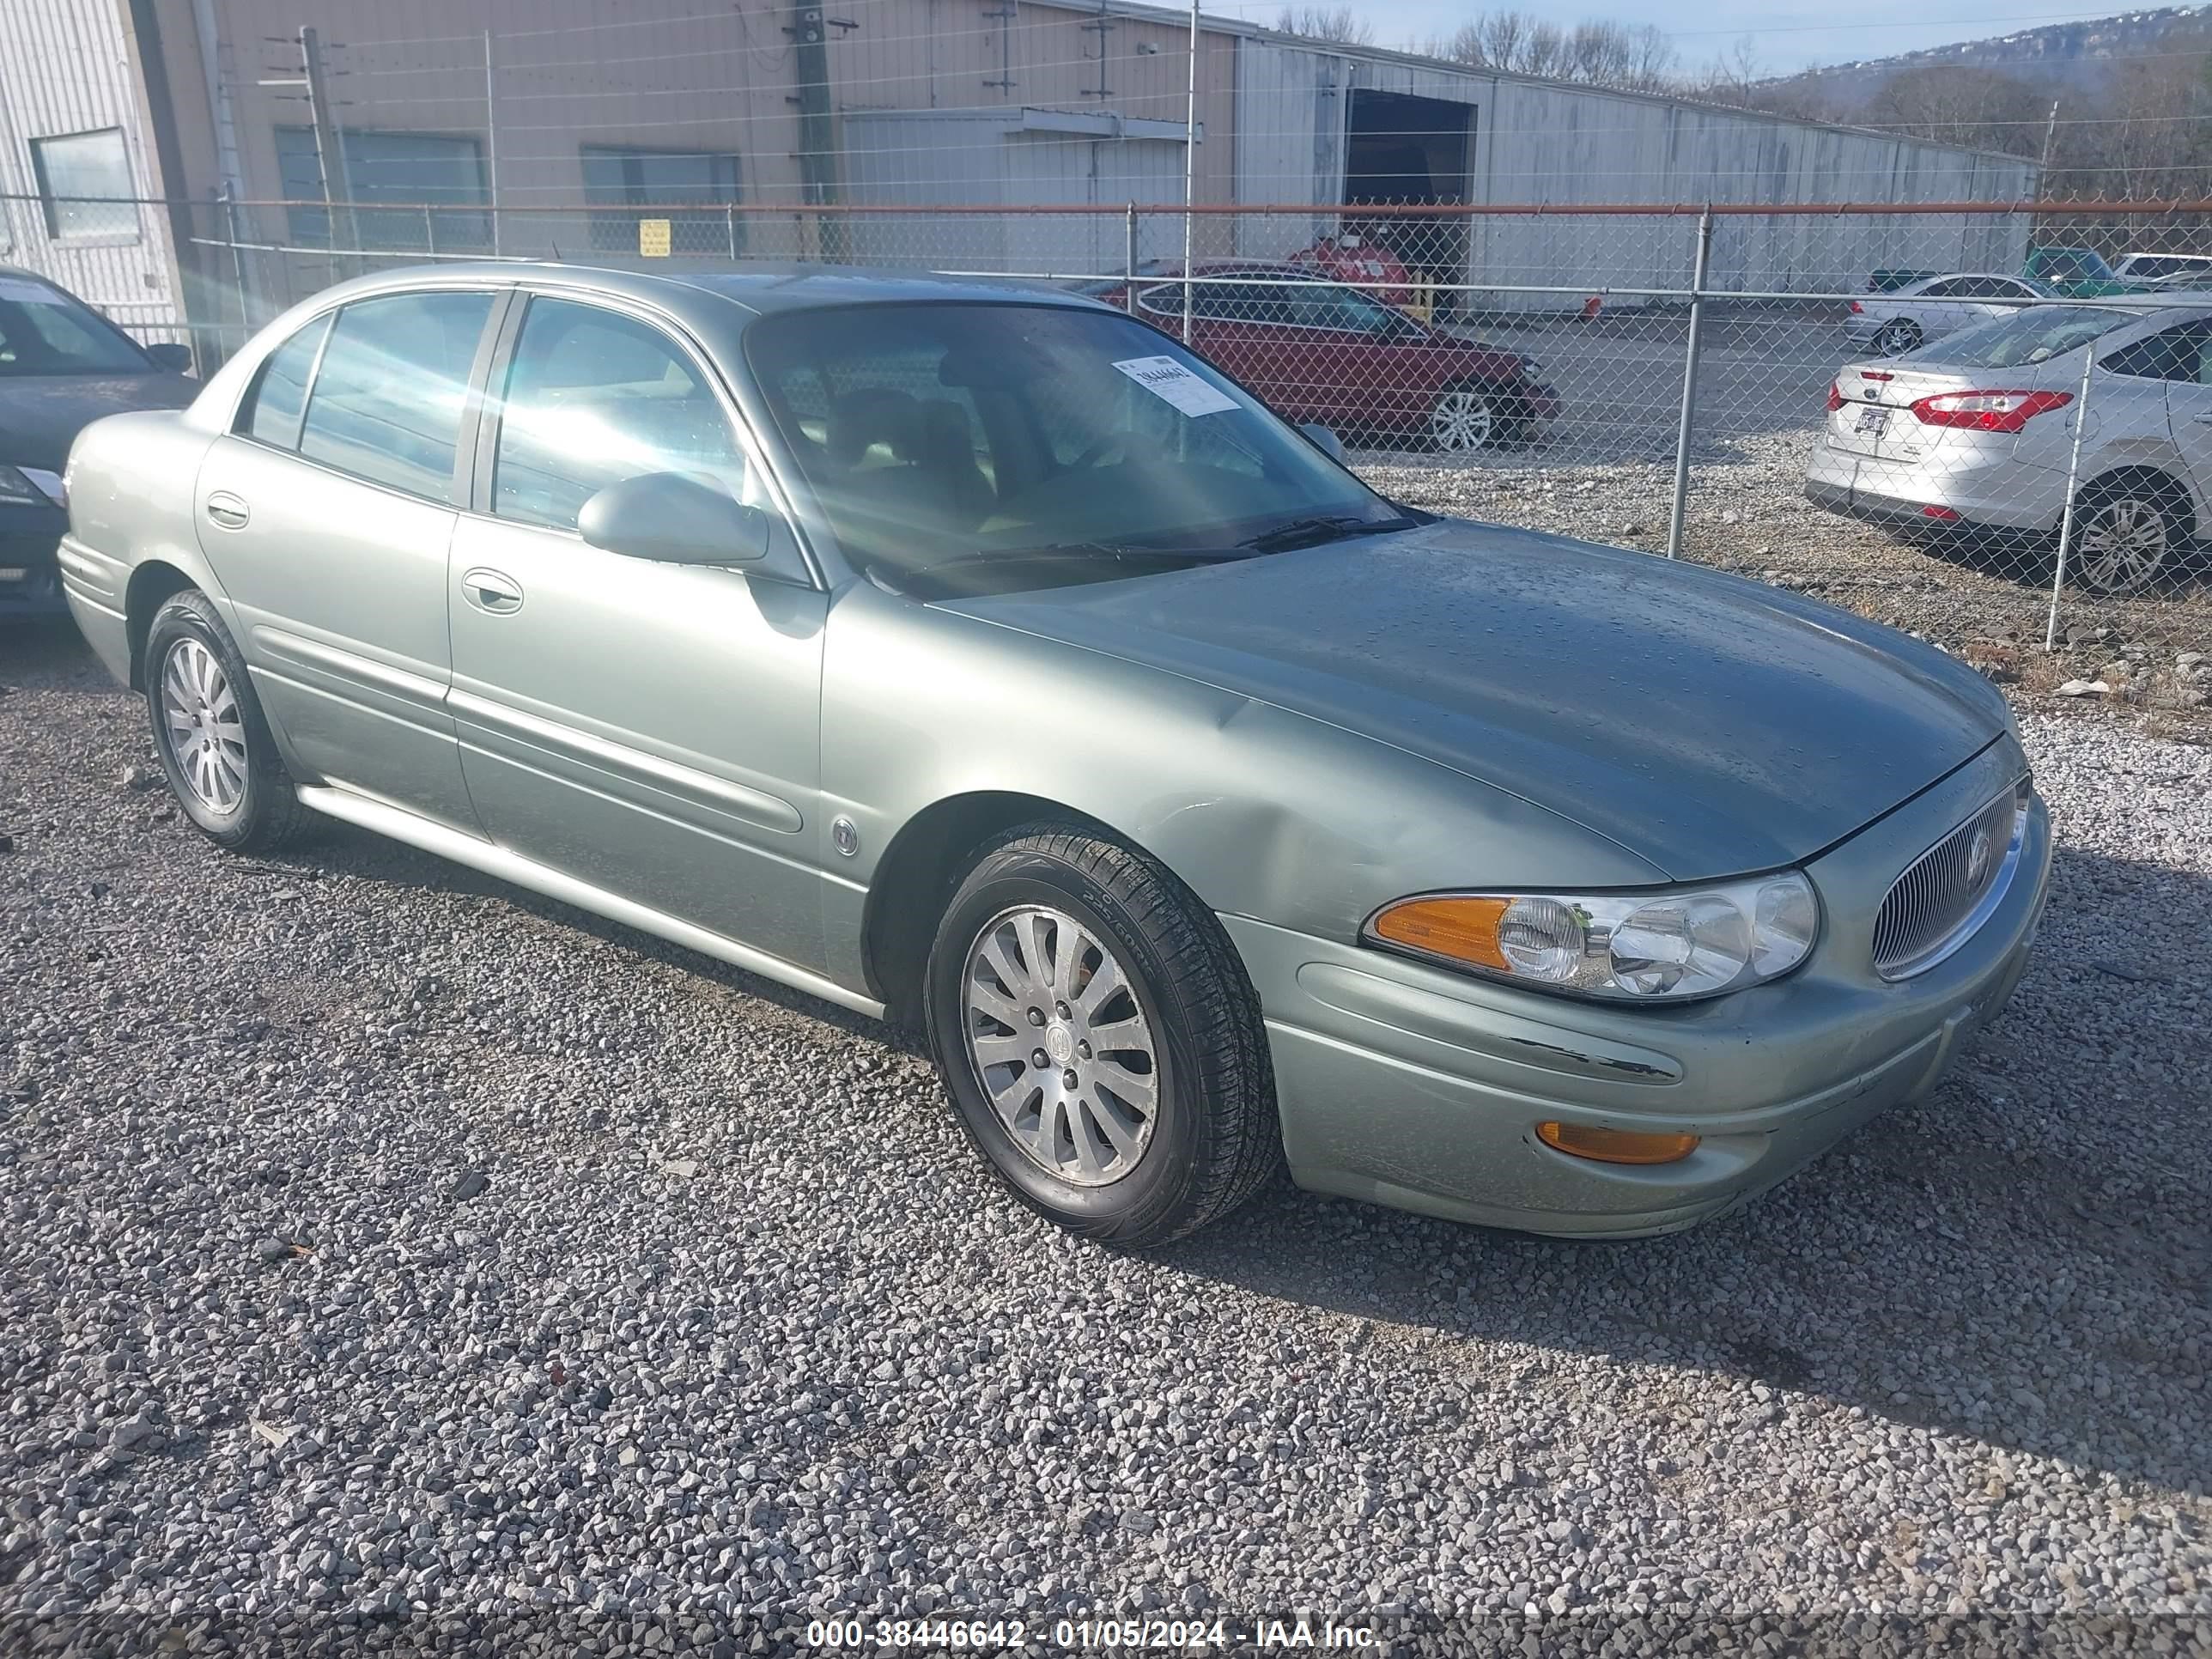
x=30 y=579
x=1420 y=1089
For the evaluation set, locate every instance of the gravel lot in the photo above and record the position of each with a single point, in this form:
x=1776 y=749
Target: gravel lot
x=736 y=1332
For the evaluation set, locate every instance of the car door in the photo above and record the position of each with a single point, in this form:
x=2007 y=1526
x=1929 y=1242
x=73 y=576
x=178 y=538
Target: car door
x=326 y=513
x=649 y=728
x=1376 y=366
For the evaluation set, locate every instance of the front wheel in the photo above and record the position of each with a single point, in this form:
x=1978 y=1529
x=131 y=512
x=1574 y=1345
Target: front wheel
x=1463 y=419
x=1099 y=1039
x=214 y=741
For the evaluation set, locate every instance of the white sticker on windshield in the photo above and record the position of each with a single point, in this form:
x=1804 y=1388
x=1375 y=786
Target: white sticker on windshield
x=1163 y=377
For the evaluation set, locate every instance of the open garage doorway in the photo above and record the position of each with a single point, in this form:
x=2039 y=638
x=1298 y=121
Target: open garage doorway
x=1402 y=150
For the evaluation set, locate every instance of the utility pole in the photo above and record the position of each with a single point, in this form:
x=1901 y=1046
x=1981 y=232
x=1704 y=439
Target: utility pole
x=818 y=154
x=1190 y=175
x=329 y=149
x=2050 y=133
x=491 y=144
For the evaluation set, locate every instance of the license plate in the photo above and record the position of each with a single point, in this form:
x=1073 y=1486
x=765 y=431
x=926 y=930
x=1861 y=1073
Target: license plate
x=1872 y=422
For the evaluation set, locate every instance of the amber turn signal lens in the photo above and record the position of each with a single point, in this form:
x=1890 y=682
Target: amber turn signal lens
x=1616 y=1145
x=1464 y=929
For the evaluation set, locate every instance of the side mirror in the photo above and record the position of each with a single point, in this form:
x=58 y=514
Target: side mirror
x=676 y=519
x=172 y=355
x=1326 y=440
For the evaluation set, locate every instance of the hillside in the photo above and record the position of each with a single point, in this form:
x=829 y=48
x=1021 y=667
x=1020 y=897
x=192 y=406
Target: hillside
x=2062 y=56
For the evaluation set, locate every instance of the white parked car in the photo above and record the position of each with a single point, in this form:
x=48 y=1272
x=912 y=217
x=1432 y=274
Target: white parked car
x=1927 y=310
x=1974 y=436
x=2170 y=270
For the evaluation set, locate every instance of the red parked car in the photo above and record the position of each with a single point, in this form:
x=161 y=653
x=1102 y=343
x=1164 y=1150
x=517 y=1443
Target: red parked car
x=1321 y=351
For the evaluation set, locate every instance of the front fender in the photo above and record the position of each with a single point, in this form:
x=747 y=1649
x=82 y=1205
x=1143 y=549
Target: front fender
x=1262 y=812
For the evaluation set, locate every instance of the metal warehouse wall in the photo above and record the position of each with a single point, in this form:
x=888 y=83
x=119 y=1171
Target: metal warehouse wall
x=65 y=67
x=1540 y=142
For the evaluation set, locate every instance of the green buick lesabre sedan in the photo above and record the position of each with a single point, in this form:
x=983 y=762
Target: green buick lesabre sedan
x=982 y=657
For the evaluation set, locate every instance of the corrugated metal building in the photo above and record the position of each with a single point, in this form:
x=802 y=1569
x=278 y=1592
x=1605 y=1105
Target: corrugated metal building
x=532 y=127
x=73 y=121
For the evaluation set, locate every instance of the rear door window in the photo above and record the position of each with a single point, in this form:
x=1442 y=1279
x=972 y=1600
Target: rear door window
x=387 y=403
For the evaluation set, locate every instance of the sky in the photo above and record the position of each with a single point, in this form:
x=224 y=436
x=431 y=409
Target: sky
x=1787 y=35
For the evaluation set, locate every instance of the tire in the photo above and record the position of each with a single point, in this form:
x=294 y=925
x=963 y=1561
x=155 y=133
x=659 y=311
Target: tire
x=1896 y=337
x=210 y=733
x=1169 y=1129
x=2126 y=532
x=1463 y=420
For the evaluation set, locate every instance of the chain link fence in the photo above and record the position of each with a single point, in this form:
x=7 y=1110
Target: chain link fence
x=1991 y=426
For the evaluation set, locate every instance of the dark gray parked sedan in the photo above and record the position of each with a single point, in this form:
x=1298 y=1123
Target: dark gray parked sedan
x=61 y=365
x=982 y=656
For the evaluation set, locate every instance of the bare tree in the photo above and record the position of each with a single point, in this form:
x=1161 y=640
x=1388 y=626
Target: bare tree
x=1597 y=53
x=1341 y=25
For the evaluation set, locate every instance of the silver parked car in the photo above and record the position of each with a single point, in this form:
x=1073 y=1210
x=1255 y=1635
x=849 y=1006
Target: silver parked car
x=1975 y=435
x=981 y=656
x=1906 y=316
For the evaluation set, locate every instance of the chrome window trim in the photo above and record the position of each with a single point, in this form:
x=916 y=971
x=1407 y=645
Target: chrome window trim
x=1934 y=955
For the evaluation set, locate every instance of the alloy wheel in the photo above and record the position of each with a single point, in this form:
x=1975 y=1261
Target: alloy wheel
x=1463 y=420
x=1896 y=338
x=204 y=727
x=1060 y=1044
x=2122 y=547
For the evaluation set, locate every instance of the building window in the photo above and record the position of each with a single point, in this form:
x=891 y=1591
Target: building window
x=84 y=185
x=390 y=179
x=618 y=177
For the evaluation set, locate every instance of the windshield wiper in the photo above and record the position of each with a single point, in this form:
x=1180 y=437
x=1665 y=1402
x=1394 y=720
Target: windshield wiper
x=1326 y=527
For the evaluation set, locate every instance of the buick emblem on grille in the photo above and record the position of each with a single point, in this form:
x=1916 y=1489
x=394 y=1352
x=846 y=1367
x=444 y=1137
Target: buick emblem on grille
x=1977 y=858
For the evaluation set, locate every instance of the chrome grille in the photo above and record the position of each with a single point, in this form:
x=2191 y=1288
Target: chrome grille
x=1949 y=889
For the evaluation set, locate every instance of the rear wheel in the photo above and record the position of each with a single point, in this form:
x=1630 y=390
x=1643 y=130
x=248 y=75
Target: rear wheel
x=2125 y=532
x=210 y=733
x=1099 y=1039
x=1898 y=336
x=1463 y=419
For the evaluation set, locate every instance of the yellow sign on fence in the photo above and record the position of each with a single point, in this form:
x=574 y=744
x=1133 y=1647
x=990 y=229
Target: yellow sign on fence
x=652 y=237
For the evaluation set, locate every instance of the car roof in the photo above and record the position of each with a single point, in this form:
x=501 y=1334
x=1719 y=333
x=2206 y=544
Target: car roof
x=760 y=289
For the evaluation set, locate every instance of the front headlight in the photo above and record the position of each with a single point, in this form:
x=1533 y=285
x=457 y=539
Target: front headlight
x=1630 y=947
x=17 y=490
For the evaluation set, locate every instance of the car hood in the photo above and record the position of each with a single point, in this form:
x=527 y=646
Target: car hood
x=41 y=414
x=1709 y=723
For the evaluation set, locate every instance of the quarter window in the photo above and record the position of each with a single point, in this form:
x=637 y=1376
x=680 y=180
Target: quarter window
x=2172 y=354
x=280 y=391
x=387 y=403
x=594 y=398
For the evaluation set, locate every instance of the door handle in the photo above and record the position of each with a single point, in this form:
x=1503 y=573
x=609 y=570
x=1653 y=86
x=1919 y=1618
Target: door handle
x=492 y=591
x=227 y=510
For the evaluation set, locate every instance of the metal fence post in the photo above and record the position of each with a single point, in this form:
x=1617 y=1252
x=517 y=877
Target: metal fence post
x=730 y=214
x=1690 y=383
x=1129 y=265
x=237 y=266
x=430 y=232
x=2066 y=519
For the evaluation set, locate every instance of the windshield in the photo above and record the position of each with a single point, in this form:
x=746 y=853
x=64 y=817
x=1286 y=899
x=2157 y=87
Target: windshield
x=975 y=447
x=2033 y=336
x=43 y=331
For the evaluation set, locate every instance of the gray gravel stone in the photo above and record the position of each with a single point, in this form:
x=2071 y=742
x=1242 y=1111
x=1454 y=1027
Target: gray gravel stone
x=1956 y=1369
